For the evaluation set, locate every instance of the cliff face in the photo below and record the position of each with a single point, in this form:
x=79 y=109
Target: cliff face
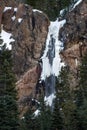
x=74 y=36
x=29 y=29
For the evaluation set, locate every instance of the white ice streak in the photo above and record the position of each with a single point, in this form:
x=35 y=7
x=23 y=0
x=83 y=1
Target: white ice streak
x=6 y=37
x=46 y=71
x=55 y=68
x=58 y=46
x=77 y=3
x=7 y=8
x=35 y=10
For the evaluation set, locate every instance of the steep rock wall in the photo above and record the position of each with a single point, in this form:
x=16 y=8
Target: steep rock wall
x=74 y=36
x=29 y=29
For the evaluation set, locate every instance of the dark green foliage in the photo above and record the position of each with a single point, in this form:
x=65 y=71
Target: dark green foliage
x=50 y=7
x=82 y=116
x=8 y=94
x=81 y=99
x=66 y=98
x=42 y=121
x=28 y=121
x=57 y=120
x=45 y=115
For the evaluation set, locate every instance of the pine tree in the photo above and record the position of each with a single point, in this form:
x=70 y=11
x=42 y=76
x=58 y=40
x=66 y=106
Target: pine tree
x=57 y=119
x=8 y=94
x=81 y=99
x=66 y=99
x=42 y=121
x=50 y=7
x=45 y=115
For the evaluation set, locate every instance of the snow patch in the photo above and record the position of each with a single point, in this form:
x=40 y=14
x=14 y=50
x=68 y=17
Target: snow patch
x=19 y=20
x=6 y=37
x=15 y=9
x=13 y=18
x=36 y=113
x=7 y=8
x=35 y=10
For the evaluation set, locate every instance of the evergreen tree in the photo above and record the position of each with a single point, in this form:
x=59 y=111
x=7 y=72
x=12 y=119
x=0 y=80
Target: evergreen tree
x=45 y=115
x=50 y=7
x=42 y=121
x=8 y=94
x=81 y=99
x=66 y=99
x=57 y=120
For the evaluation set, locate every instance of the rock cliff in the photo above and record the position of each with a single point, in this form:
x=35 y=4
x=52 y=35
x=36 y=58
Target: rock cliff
x=74 y=36
x=29 y=29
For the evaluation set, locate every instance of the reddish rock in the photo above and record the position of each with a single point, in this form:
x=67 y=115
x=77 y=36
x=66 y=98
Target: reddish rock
x=29 y=29
x=72 y=56
x=74 y=36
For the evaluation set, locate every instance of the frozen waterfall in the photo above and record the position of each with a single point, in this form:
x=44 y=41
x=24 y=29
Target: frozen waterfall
x=51 y=62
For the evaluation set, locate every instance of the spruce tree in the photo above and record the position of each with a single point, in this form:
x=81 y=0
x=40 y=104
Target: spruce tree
x=66 y=99
x=81 y=99
x=8 y=94
x=45 y=115
x=57 y=118
x=50 y=7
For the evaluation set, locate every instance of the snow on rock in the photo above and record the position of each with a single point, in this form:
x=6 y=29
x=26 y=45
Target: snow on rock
x=77 y=3
x=13 y=18
x=56 y=66
x=19 y=20
x=7 y=8
x=35 y=10
x=6 y=37
x=15 y=9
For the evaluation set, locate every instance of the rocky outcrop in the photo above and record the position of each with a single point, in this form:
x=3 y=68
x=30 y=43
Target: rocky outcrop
x=3 y=4
x=29 y=29
x=74 y=35
x=26 y=88
x=75 y=29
